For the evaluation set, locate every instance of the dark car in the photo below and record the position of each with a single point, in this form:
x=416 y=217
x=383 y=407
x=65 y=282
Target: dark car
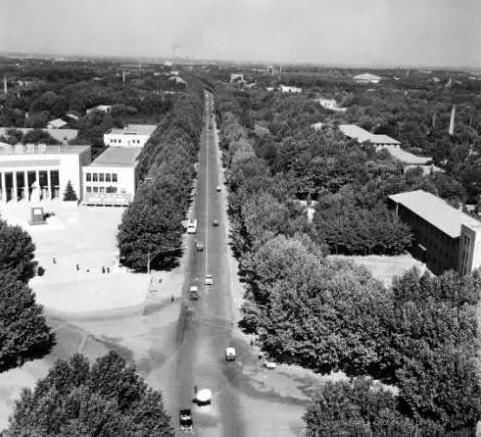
x=185 y=420
x=215 y=223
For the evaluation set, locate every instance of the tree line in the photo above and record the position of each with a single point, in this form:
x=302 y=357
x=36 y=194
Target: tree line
x=327 y=315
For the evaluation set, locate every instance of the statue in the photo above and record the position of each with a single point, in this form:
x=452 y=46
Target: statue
x=35 y=196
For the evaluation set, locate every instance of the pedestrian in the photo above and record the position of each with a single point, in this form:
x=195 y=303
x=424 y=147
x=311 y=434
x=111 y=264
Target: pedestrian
x=77 y=266
x=54 y=260
x=171 y=298
x=103 y=269
x=195 y=389
x=108 y=269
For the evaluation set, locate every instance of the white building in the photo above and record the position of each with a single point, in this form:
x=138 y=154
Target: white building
x=331 y=104
x=58 y=123
x=367 y=78
x=133 y=135
x=35 y=173
x=236 y=77
x=290 y=89
x=361 y=135
x=101 y=108
x=111 y=179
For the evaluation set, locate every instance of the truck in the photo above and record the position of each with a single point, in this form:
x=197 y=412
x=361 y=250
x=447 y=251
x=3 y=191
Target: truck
x=192 y=226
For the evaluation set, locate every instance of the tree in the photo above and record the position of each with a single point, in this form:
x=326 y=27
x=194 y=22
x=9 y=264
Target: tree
x=78 y=399
x=16 y=253
x=70 y=194
x=24 y=333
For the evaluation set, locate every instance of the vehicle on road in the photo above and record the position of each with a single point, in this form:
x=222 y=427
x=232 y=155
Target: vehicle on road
x=194 y=292
x=185 y=420
x=209 y=280
x=199 y=246
x=203 y=397
x=218 y=188
x=192 y=226
x=269 y=364
x=230 y=354
x=215 y=223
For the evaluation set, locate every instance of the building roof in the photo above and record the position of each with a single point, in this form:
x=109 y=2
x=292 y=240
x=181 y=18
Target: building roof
x=62 y=135
x=408 y=158
x=117 y=157
x=367 y=76
x=361 y=135
x=134 y=129
x=57 y=123
x=41 y=149
x=436 y=211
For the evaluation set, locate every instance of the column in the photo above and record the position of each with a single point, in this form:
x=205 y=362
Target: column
x=15 y=190
x=4 y=188
x=37 y=183
x=49 y=185
x=27 y=191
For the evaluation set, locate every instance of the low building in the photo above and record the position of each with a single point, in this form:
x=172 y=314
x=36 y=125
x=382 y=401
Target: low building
x=365 y=78
x=361 y=135
x=290 y=89
x=101 y=108
x=58 y=123
x=317 y=126
x=111 y=179
x=36 y=173
x=445 y=237
x=178 y=80
x=61 y=135
x=413 y=161
x=237 y=77
x=133 y=135
x=331 y=105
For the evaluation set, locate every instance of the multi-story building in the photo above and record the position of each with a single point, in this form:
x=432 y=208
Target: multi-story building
x=445 y=237
x=133 y=135
x=35 y=173
x=111 y=179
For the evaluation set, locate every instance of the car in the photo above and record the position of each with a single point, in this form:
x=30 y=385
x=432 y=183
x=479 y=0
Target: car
x=199 y=246
x=230 y=354
x=209 y=280
x=185 y=420
x=218 y=188
x=194 y=292
x=269 y=364
x=215 y=223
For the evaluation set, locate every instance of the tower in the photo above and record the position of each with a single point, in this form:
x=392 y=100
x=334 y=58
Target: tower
x=123 y=76
x=5 y=86
x=451 y=122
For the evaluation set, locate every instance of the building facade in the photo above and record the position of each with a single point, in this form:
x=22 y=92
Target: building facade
x=111 y=179
x=290 y=89
x=133 y=135
x=445 y=237
x=35 y=173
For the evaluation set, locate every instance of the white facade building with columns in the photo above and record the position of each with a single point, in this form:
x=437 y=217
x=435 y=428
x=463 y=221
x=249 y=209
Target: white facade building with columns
x=39 y=172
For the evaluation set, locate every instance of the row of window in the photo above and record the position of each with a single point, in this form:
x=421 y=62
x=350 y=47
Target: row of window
x=101 y=189
x=101 y=177
x=119 y=141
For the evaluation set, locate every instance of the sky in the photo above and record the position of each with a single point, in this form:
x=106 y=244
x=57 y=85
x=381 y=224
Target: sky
x=346 y=32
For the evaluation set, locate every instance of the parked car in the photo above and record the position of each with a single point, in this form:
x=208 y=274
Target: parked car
x=215 y=223
x=230 y=354
x=185 y=420
x=194 y=292
x=209 y=280
x=218 y=188
x=199 y=246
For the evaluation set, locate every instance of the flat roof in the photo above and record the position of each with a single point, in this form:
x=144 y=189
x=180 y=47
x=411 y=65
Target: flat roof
x=41 y=149
x=30 y=163
x=117 y=157
x=134 y=129
x=435 y=211
x=361 y=135
x=62 y=135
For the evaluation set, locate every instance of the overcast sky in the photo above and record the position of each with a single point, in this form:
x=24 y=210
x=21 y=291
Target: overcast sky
x=379 y=32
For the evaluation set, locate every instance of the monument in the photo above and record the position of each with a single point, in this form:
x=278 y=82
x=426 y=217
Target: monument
x=37 y=216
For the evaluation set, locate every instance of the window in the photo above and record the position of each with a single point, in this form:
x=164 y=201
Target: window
x=89 y=189
x=101 y=189
x=88 y=177
x=107 y=177
x=101 y=177
x=111 y=189
x=114 y=177
x=95 y=177
x=96 y=189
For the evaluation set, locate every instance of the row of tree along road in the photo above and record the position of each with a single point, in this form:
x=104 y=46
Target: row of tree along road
x=420 y=335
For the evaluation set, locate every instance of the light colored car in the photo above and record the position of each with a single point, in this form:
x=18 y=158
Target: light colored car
x=194 y=292
x=209 y=280
x=218 y=188
x=199 y=246
x=230 y=354
x=269 y=364
x=215 y=223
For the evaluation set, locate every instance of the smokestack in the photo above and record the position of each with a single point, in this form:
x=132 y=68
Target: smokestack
x=123 y=76
x=451 y=122
x=5 y=86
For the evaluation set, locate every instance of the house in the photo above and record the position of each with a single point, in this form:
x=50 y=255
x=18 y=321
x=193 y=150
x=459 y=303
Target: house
x=101 y=108
x=367 y=78
x=133 y=135
x=361 y=135
x=331 y=105
x=413 y=161
x=34 y=173
x=290 y=89
x=112 y=178
x=58 y=123
x=445 y=237
x=317 y=126
x=236 y=77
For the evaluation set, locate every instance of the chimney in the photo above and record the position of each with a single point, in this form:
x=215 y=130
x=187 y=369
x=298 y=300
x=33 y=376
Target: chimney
x=451 y=122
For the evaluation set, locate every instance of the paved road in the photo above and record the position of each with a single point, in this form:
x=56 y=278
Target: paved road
x=205 y=327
